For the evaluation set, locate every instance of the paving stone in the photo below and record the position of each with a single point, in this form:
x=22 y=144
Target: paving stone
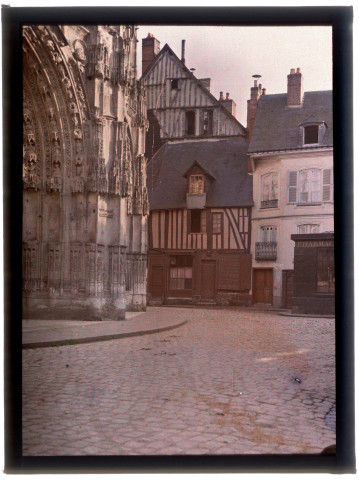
x=118 y=399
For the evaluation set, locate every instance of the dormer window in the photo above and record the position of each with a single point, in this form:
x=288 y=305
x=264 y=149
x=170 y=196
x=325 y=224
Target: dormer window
x=311 y=134
x=196 y=184
x=312 y=131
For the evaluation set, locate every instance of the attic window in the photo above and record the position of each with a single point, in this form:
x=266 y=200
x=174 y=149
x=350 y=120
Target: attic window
x=174 y=84
x=311 y=134
x=196 y=184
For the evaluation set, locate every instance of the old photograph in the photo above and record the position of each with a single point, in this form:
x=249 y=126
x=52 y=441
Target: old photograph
x=178 y=240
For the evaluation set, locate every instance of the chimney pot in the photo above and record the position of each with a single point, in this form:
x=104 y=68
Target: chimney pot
x=264 y=91
x=298 y=70
x=221 y=95
x=227 y=96
x=260 y=86
x=292 y=70
x=255 y=83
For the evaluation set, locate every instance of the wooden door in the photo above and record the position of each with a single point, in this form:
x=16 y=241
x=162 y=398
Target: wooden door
x=263 y=285
x=157 y=281
x=208 y=279
x=288 y=287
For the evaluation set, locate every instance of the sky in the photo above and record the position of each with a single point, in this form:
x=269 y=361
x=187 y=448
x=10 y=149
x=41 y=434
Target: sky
x=231 y=55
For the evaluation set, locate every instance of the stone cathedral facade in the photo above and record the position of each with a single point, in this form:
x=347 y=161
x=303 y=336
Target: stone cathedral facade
x=85 y=203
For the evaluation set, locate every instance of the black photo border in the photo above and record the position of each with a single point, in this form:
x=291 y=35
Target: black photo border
x=341 y=20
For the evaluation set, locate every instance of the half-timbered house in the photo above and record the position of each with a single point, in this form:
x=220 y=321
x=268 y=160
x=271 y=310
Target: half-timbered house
x=180 y=106
x=199 y=228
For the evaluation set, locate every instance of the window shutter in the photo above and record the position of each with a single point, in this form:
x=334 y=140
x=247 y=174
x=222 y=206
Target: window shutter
x=292 y=187
x=327 y=185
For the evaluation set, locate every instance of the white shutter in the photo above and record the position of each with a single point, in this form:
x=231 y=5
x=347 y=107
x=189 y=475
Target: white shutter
x=292 y=187
x=327 y=185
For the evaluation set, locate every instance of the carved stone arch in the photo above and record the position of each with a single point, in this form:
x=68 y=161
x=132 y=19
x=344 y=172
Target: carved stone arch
x=50 y=81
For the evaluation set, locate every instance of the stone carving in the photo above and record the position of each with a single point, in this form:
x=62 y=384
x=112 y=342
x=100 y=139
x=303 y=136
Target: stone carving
x=30 y=165
x=64 y=151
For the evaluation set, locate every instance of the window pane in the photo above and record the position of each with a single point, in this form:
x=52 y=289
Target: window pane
x=311 y=134
x=203 y=221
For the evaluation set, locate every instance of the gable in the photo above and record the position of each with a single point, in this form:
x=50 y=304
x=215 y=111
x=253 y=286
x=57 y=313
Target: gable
x=191 y=92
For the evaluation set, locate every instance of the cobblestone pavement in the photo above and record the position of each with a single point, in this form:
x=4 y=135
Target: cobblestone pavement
x=230 y=381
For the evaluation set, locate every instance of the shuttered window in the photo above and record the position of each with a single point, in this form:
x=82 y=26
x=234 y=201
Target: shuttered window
x=292 y=187
x=328 y=185
x=310 y=186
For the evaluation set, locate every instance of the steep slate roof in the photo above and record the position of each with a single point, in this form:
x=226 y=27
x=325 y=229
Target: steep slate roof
x=226 y=159
x=276 y=126
x=168 y=49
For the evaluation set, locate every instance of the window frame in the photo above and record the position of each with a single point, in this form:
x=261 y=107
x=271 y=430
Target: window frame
x=188 y=264
x=305 y=127
x=202 y=215
x=298 y=200
x=220 y=214
x=191 y=183
x=261 y=194
x=210 y=114
x=267 y=228
x=192 y=112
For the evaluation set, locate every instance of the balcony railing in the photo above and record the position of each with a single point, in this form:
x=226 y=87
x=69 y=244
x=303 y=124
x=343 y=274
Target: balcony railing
x=269 y=203
x=266 y=251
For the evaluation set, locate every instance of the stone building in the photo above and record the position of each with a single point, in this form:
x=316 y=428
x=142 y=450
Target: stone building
x=85 y=201
x=291 y=159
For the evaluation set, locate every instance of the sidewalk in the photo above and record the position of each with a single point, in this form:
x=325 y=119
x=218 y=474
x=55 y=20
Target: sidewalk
x=51 y=333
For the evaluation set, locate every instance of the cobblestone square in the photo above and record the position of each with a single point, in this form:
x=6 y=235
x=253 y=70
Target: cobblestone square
x=229 y=381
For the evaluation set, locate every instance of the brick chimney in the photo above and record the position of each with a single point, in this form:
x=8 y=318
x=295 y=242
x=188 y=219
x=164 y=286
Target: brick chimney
x=295 y=88
x=252 y=105
x=228 y=103
x=150 y=48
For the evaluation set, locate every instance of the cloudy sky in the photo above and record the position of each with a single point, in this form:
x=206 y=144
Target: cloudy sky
x=231 y=55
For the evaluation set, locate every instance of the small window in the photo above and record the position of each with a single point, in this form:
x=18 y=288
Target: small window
x=311 y=134
x=196 y=184
x=305 y=187
x=269 y=192
x=198 y=221
x=217 y=222
x=174 y=84
x=268 y=234
x=308 y=228
x=207 y=122
x=181 y=272
x=325 y=270
x=190 y=122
